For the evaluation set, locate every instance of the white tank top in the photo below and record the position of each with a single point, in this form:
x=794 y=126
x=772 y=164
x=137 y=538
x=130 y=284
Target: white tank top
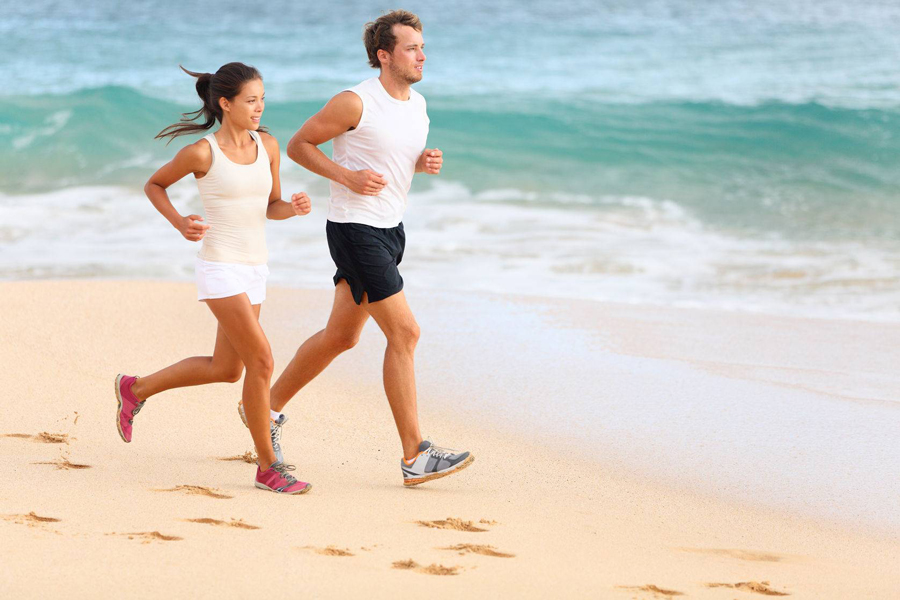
x=235 y=198
x=389 y=139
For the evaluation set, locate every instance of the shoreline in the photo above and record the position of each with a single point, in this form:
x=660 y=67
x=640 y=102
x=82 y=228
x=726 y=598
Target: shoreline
x=619 y=251
x=611 y=531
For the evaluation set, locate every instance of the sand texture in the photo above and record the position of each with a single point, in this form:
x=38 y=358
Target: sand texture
x=175 y=514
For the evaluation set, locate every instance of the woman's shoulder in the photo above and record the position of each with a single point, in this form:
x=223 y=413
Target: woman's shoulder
x=269 y=141
x=197 y=156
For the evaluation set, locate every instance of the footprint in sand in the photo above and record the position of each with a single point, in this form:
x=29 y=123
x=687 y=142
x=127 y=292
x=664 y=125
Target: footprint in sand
x=236 y=523
x=756 y=587
x=149 y=536
x=31 y=519
x=329 y=551
x=63 y=464
x=247 y=457
x=652 y=589
x=433 y=569
x=476 y=549
x=197 y=490
x=42 y=438
x=739 y=554
x=451 y=523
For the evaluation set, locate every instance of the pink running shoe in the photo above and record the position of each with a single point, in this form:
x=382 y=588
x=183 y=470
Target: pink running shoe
x=277 y=479
x=129 y=405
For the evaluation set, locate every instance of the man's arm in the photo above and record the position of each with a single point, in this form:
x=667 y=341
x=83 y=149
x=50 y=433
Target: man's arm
x=341 y=114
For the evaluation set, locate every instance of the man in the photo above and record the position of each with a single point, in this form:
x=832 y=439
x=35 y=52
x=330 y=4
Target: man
x=379 y=130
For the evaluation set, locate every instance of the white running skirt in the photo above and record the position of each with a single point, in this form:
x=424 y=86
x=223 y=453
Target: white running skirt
x=222 y=280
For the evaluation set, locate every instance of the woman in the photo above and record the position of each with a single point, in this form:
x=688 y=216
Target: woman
x=237 y=173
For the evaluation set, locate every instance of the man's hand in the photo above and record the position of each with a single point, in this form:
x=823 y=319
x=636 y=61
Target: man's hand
x=301 y=204
x=365 y=182
x=191 y=228
x=430 y=161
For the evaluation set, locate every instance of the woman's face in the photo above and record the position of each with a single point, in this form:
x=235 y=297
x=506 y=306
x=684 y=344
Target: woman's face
x=246 y=108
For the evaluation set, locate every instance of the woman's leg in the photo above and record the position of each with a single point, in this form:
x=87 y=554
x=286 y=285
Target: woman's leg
x=223 y=366
x=239 y=320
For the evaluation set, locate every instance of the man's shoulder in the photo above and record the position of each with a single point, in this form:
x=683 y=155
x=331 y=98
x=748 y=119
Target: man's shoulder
x=363 y=86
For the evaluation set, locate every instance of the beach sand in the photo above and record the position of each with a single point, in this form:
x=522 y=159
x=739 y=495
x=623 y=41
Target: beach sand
x=83 y=515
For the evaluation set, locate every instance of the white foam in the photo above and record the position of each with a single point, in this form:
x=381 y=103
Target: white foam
x=621 y=249
x=52 y=124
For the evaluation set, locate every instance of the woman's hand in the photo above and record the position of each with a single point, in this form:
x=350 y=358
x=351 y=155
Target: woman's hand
x=192 y=229
x=301 y=204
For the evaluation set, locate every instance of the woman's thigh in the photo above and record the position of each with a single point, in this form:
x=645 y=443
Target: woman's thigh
x=240 y=334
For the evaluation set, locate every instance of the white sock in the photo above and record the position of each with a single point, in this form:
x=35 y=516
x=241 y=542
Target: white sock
x=275 y=415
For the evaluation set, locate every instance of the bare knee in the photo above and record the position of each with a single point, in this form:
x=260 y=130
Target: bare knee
x=231 y=374
x=225 y=372
x=405 y=336
x=341 y=341
x=262 y=364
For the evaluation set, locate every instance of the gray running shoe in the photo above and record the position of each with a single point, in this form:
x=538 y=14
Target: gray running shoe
x=274 y=430
x=433 y=462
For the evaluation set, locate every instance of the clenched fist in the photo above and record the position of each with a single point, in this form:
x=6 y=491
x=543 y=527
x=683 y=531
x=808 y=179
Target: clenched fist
x=365 y=182
x=192 y=229
x=301 y=204
x=431 y=161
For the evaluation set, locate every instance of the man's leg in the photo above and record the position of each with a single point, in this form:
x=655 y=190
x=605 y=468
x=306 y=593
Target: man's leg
x=396 y=320
x=340 y=334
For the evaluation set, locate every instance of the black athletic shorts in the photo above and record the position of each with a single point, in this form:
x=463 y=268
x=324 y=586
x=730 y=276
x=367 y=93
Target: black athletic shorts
x=367 y=257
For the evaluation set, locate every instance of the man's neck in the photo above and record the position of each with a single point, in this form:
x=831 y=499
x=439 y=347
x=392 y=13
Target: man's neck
x=396 y=89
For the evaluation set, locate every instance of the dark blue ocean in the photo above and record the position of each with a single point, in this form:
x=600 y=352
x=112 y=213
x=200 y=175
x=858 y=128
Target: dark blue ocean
x=733 y=154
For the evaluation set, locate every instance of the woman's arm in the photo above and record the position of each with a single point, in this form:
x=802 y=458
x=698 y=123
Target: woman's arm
x=278 y=209
x=195 y=158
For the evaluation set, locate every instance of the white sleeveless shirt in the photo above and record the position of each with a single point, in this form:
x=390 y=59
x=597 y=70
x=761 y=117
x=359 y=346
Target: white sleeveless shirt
x=389 y=139
x=235 y=199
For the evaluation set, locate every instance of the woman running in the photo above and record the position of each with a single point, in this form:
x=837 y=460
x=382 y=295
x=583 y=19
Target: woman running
x=236 y=169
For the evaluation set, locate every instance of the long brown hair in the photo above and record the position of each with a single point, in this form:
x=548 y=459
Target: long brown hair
x=225 y=83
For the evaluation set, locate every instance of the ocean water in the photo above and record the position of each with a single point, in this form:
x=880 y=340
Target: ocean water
x=738 y=154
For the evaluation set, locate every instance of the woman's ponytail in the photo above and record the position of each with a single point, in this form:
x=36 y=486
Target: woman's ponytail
x=226 y=83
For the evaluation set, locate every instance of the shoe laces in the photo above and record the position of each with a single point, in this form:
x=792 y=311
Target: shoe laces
x=137 y=409
x=276 y=431
x=282 y=469
x=439 y=452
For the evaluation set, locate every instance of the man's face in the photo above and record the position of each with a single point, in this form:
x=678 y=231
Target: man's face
x=406 y=61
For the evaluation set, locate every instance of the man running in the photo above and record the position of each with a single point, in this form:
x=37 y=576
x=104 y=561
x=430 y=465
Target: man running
x=379 y=130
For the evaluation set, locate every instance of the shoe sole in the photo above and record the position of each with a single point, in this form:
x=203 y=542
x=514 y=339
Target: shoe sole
x=433 y=476
x=119 y=411
x=263 y=486
x=241 y=414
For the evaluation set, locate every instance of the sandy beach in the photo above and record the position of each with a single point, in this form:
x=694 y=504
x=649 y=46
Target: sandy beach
x=538 y=514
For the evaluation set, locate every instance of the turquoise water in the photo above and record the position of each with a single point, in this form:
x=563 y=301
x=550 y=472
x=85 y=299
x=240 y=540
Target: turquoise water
x=736 y=154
